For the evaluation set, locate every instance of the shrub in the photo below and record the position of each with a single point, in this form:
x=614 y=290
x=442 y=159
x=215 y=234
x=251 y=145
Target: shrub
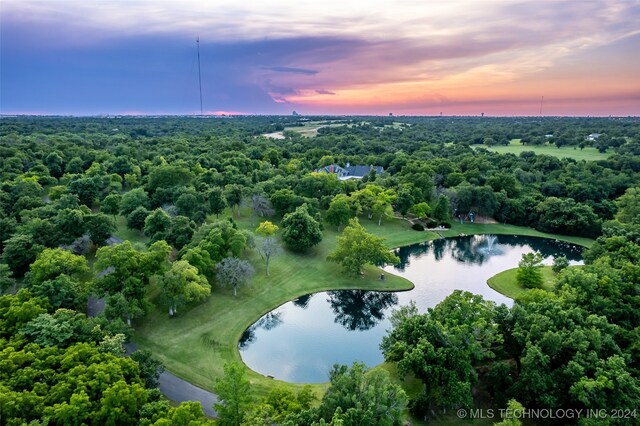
x=445 y=225
x=431 y=223
x=417 y=227
x=559 y=263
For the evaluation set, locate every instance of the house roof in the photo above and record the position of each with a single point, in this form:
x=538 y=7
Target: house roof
x=351 y=172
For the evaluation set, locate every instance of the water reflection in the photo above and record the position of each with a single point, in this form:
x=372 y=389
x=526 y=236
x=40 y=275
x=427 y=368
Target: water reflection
x=303 y=301
x=360 y=309
x=302 y=339
x=266 y=322
x=477 y=249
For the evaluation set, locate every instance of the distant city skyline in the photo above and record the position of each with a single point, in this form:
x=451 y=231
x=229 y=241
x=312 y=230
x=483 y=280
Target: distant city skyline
x=461 y=57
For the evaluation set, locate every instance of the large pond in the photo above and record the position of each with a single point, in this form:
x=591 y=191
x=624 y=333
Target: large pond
x=301 y=340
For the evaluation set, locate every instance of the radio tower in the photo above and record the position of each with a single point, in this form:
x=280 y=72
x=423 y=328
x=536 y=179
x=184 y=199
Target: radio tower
x=199 y=75
x=541 y=100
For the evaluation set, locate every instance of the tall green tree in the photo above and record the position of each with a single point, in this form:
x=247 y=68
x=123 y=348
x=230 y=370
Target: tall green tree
x=300 y=230
x=529 y=273
x=363 y=397
x=356 y=247
x=217 y=202
x=340 y=210
x=234 y=392
x=50 y=263
x=442 y=348
x=183 y=284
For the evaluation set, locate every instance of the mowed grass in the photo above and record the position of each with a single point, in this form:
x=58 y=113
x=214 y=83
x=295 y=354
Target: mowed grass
x=505 y=282
x=196 y=344
x=515 y=147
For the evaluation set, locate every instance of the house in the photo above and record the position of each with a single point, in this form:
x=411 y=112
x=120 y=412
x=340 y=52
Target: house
x=593 y=136
x=351 y=172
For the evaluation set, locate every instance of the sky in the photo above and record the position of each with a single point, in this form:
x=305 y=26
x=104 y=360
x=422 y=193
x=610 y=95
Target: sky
x=406 y=57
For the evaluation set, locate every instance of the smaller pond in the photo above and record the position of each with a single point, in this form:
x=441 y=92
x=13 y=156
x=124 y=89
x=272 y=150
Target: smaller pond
x=300 y=340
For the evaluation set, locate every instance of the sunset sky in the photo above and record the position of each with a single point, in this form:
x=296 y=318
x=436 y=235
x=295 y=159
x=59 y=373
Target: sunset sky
x=458 y=57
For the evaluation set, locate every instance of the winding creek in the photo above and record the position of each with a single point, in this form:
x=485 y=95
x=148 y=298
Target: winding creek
x=299 y=341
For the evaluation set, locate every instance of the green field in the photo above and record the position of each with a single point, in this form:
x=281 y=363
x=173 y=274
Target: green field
x=515 y=147
x=505 y=282
x=196 y=344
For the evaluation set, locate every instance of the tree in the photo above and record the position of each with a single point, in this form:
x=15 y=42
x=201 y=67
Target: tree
x=7 y=282
x=441 y=348
x=267 y=246
x=99 y=226
x=355 y=247
x=19 y=251
x=300 y=230
x=183 y=284
x=165 y=176
x=150 y=368
x=261 y=206
x=51 y=263
x=234 y=392
x=233 y=272
x=404 y=200
x=341 y=209
x=136 y=219
x=629 y=206
x=86 y=189
x=565 y=216
x=180 y=232
x=132 y=200
x=441 y=211
x=157 y=225
x=374 y=200
x=217 y=202
x=421 y=210
x=559 y=263
x=365 y=397
x=529 y=273
x=233 y=195
x=70 y=224
x=62 y=292
x=512 y=414
x=121 y=268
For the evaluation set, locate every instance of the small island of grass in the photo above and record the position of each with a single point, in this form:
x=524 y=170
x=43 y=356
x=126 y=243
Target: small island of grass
x=505 y=282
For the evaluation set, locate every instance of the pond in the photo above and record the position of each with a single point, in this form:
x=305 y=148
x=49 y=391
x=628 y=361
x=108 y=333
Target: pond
x=301 y=340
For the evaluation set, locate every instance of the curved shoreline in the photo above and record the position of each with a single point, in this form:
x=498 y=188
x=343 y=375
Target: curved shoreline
x=262 y=383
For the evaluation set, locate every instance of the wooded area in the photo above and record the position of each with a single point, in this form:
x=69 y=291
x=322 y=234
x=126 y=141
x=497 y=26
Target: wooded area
x=153 y=213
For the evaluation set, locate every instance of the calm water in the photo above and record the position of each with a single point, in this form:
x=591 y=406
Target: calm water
x=300 y=340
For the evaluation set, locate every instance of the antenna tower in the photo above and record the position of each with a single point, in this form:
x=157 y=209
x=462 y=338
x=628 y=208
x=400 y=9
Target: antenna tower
x=199 y=75
x=541 y=100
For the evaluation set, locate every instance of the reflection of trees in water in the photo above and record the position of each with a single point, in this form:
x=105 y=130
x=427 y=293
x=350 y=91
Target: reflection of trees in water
x=360 y=309
x=472 y=249
x=469 y=250
x=268 y=321
x=405 y=254
x=547 y=247
x=303 y=301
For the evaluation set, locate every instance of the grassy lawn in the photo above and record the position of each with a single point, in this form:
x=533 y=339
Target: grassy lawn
x=515 y=147
x=505 y=282
x=196 y=344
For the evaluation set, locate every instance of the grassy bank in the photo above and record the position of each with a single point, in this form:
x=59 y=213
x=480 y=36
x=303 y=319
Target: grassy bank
x=505 y=282
x=196 y=344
